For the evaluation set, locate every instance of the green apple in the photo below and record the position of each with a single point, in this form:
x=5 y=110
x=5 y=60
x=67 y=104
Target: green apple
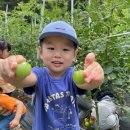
x=78 y=77
x=23 y=70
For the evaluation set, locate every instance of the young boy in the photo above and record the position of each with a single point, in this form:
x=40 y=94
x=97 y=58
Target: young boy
x=11 y=111
x=55 y=104
x=5 y=49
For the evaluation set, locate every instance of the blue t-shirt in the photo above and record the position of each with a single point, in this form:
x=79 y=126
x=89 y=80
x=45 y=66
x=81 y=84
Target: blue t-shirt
x=55 y=104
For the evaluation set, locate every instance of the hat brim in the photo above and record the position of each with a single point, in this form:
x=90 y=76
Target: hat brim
x=44 y=35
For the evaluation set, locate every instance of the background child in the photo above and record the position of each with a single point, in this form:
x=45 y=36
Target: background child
x=5 y=49
x=11 y=111
x=55 y=103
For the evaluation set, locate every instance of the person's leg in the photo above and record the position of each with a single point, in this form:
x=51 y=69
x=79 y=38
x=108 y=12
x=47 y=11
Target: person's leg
x=5 y=120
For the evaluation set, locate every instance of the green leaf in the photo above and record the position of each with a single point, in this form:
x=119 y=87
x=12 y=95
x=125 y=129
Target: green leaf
x=112 y=76
x=126 y=111
x=108 y=69
x=118 y=82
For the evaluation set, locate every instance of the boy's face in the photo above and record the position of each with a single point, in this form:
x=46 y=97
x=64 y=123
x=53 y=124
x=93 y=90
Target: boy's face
x=57 y=54
x=4 y=53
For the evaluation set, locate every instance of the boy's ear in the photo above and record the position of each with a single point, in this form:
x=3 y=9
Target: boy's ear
x=1 y=52
x=75 y=55
x=40 y=51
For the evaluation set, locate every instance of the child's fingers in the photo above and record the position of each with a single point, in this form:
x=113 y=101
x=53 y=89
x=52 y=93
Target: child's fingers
x=94 y=73
x=92 y=77
x=89 y=78
x=100 y=77
x=16 y=60
x=90 y=58
x=9 y=65
x=6 y=68
x=20 y=59
x=90 y=69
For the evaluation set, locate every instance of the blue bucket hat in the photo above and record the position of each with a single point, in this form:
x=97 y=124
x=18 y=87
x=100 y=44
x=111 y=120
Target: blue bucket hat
x=60 y=28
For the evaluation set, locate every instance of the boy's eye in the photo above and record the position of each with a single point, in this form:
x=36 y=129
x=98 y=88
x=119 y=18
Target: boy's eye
x=66 y=49
x=50 y=48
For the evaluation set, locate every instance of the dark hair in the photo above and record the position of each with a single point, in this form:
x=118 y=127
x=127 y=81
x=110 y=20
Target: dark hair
x=4 y=45
x=1 y=90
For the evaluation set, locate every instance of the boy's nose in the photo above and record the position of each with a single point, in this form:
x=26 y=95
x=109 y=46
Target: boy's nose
x=58 y=54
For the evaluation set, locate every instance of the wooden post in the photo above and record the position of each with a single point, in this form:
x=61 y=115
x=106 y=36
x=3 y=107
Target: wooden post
x=6 y=20
x=72 y=11
x=89 y=19
x=41 y=26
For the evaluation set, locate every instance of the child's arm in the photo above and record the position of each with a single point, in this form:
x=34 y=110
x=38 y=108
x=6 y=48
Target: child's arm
x=93 y=73
x=7 y=71
x=15 y=121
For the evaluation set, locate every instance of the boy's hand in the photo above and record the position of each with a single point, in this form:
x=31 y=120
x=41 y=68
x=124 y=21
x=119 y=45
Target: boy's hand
x=93 y=72
x=8 y=65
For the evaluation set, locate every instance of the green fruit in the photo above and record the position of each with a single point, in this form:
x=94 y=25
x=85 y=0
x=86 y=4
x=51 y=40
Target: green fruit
x=86 y=120
x=78 y=77
x=87 y=124
x=91 y=122
x=23 y=70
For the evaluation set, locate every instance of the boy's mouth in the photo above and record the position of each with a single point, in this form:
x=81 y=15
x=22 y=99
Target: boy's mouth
x=57 y=63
